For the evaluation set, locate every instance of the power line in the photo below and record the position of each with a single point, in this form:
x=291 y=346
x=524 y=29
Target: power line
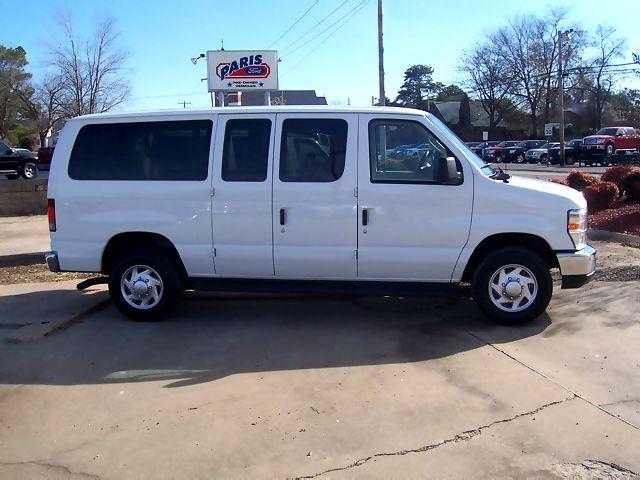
x=315 y=26
x=294 y=24
x=359 y=5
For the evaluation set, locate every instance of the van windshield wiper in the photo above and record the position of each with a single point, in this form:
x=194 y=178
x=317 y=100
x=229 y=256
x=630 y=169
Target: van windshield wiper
x=500 y=174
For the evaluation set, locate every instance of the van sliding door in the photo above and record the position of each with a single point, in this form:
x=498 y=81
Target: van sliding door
x=314 y=196
x=242 y=235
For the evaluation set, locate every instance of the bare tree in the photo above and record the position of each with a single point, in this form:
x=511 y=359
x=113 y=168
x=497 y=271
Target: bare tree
x=90 y=72
x=519 y=45
x=608 y=48
x=549 y=28
x=487 y=79
x=41 y=104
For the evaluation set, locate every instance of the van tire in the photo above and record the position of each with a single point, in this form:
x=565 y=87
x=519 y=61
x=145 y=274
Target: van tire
x=162 y=274
x=504 y=259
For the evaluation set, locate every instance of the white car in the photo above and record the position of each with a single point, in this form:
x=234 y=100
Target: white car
x=304 y=199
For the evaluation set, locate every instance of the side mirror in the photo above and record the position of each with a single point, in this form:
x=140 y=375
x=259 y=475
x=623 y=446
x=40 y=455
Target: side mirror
x=619 y=134
x=447 y=171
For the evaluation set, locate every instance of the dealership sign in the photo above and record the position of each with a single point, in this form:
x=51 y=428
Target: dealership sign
x=242 y=70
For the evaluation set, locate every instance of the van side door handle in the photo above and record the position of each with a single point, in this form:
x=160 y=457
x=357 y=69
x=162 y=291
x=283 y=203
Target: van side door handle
x=282 y=216
x=365 y=217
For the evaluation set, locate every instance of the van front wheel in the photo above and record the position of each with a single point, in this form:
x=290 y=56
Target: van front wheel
x=512 y=285
x=144 y=286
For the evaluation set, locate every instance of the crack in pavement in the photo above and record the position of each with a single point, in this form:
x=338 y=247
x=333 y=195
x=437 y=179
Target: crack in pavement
x=62 y=468
x=543 y=375
x=460 y=437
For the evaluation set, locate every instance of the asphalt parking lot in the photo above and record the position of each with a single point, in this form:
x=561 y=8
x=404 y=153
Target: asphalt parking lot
x=323 y=387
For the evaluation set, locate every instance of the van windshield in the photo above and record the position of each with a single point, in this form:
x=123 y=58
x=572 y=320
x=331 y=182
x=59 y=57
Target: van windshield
x=484 y=167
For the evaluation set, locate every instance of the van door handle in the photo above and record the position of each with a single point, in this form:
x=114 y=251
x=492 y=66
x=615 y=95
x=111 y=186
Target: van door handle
x=365 y=217
x=282 y=216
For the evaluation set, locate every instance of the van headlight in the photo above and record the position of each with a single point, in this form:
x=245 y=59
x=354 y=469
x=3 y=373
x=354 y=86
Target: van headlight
x=577 y=227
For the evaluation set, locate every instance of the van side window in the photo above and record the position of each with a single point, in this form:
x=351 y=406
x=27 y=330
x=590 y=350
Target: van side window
x=245 y=154
x=403 y=151
x=313 y=150
x=171 y=150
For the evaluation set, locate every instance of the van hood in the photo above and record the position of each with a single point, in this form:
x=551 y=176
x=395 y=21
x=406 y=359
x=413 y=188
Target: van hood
x=553 y=191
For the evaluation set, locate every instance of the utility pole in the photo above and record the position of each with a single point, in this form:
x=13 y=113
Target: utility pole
x=184 y=104
x=561 y=92
x=382 y=100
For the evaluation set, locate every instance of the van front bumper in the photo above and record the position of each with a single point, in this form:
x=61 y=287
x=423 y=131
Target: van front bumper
x=52 y=261
x=578 y=267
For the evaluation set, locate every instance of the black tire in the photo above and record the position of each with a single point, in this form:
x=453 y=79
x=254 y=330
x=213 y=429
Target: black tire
x=167 y=272
x=520 y=158
x=490 y=265
x=29 y=171
x=13 y=176
x=569 y=160
x=544 y=159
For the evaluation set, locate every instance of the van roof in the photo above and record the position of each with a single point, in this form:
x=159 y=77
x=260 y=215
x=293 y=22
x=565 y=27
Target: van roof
x=263 y=109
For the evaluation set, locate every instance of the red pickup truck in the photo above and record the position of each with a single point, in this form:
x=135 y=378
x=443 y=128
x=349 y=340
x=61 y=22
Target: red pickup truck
x=45 y=154
x=611 y=143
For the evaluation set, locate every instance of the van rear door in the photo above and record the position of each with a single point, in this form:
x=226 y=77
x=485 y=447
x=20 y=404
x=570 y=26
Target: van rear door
x=314 y=196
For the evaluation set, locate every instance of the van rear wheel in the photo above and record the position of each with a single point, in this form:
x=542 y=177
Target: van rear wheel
x=145 y=286
x=512 y=285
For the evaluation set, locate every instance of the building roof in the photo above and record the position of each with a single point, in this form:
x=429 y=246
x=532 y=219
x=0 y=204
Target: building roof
x=283 y=97
x=450 y=111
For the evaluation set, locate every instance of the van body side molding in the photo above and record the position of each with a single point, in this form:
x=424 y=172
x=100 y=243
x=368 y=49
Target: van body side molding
x=335 y=287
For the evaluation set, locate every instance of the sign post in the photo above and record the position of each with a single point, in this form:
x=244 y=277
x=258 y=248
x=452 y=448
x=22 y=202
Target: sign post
x=242 y=70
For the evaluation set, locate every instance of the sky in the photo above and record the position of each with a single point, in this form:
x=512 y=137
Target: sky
x=161 y=36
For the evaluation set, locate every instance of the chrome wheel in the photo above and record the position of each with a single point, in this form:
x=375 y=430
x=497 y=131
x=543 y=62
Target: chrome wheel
x=29 y=171
x=520 y=158
x=513 y=288
x=609 y=150
x=141 y=287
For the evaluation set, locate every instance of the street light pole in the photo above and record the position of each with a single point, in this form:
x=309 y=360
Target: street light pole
x=382 y=100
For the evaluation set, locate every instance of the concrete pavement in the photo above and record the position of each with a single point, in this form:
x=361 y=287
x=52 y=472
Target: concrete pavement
x=23 y=235
x=249 y=387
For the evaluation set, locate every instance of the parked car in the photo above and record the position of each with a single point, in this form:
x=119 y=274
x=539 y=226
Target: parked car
x=611 y=142
x=481 y=146
x=540 y=154
x=304 y=199
x=517 y=152
x=45 y=154
x=15 y=162
x=572 y=152
x=494 y=152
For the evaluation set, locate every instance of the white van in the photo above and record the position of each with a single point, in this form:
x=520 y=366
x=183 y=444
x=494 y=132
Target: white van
x=304 y=199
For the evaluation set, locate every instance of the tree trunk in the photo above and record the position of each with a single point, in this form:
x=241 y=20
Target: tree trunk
x=534 y=123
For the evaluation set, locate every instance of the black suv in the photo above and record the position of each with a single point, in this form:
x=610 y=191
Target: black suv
x=16 y=161
x=572 y=152
x=516 y=153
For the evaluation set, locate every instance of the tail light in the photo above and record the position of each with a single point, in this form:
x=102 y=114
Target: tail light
x=51 y=214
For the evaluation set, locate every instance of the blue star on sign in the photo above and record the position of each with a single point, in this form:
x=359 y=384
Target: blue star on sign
x=229 y=84
x=261 y=84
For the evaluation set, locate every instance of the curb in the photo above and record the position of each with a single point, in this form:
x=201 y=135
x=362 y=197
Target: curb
x=607 y=236
x=22 y=259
